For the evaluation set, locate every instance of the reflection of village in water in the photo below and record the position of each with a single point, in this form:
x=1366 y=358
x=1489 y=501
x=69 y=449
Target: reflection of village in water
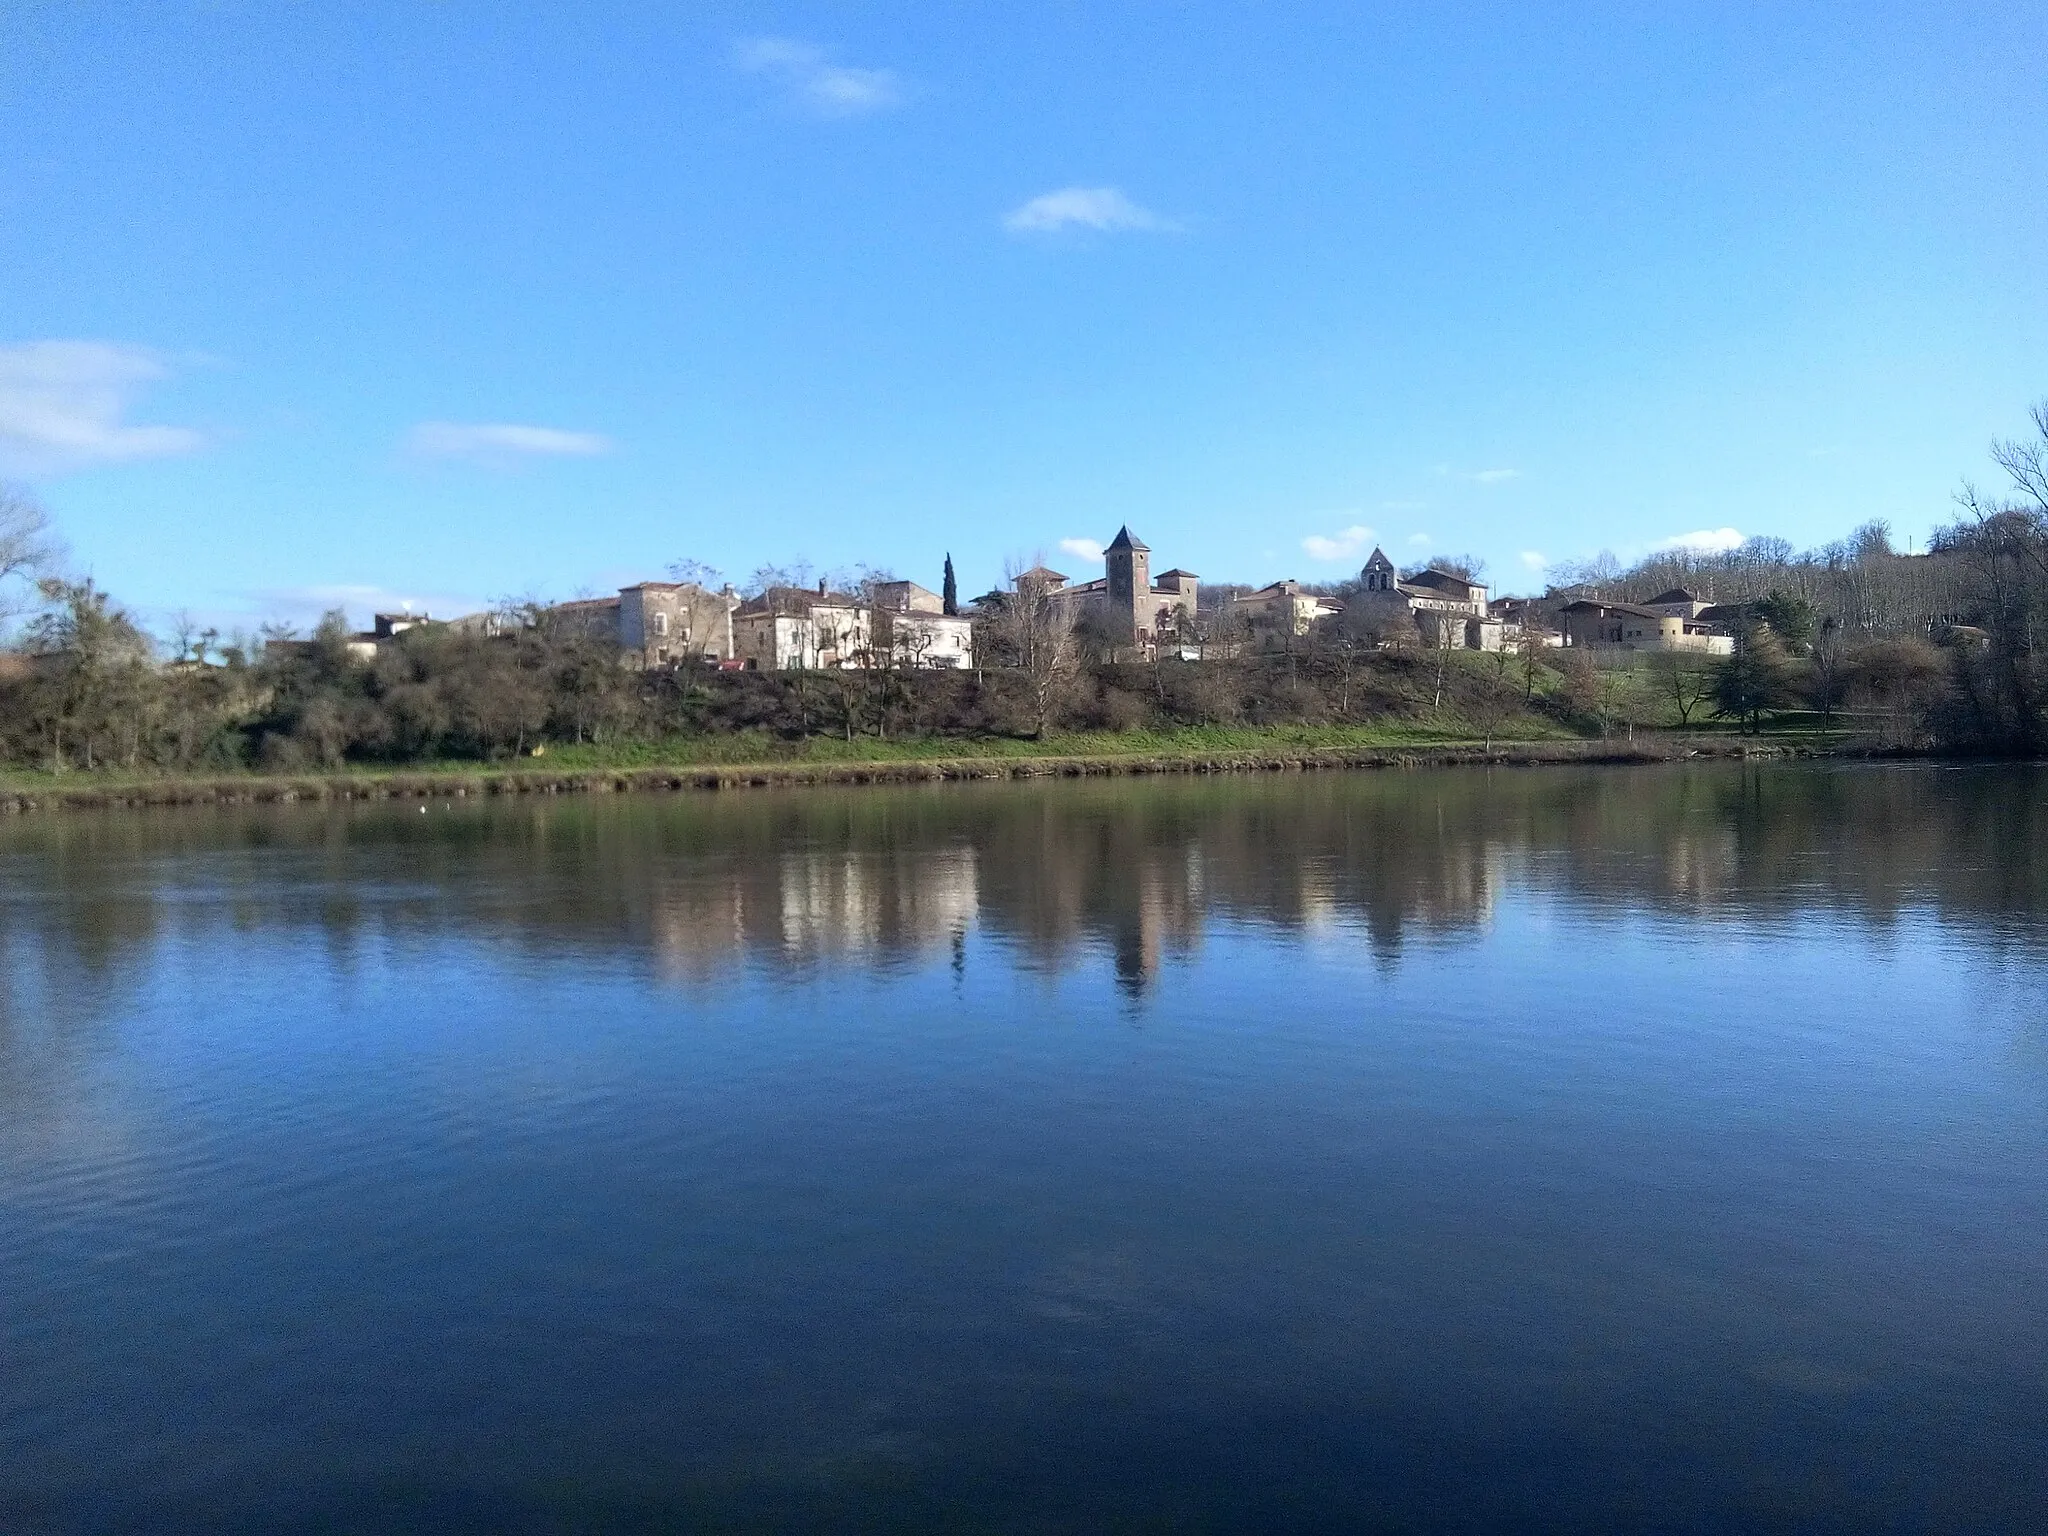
x=1060 y=876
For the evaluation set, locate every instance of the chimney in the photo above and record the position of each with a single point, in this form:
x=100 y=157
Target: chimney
x=821 y=586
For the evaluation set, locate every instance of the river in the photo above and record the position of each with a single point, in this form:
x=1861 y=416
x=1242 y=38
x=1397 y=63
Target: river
x=1658 y=1149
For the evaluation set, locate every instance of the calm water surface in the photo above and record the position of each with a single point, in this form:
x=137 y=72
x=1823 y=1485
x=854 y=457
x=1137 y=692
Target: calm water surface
x=1658 y=1150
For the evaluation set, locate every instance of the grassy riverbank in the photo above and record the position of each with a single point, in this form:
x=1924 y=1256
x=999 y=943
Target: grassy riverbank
x=740 y=761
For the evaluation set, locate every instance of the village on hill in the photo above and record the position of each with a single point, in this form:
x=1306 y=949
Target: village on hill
x=1125 y=613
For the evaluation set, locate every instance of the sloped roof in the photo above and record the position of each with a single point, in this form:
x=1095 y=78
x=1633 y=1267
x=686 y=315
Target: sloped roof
x=1123 y=540
x=1587 y=604
x=795 y=600
x=1675 y=595
x=1177 y=571
x=1378 y=558
x=1440 y=580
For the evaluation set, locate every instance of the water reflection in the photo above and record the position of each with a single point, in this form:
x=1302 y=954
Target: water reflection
x=1135 y=871
x=1266 y=1153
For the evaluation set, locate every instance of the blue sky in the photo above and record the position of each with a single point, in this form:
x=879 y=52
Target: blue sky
x=451 y=301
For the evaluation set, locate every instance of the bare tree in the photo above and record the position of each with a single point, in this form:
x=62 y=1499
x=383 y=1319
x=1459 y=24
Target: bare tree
x=1900 y=677
x=1531 y=647
x=1683 y=680
x=2025 y=460
x=1492 y=705
x=709 y=577
x=1827 y=679
x=28 y=547
x=1344 y=647
x=1034 y=631
x=1470 y=567
x=1443 y=639
x=771 y=578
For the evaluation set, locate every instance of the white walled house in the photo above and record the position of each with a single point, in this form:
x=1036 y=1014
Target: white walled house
x=912 y=628
x=791 y=629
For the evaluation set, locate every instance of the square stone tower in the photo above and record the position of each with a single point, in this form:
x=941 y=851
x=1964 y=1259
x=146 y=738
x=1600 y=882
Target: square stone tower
x=1127 y=569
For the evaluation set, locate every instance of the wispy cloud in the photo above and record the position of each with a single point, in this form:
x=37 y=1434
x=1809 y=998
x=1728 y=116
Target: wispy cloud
x=807 y=72
x=1479 y=476
x=1345 y=544
x=500 y=443
x=63 y=406
x=1705 y=541
x=1418 y=540
x=1535 y=560
x=1098 y=208
x=1082 y=549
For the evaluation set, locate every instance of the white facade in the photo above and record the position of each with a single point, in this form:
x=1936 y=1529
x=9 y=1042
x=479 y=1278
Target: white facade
x=786 y=631
x=925 y=639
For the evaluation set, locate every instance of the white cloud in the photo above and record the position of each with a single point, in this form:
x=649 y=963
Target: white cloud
x=1082 y=549
x=1418 y=540
x=1101 y=208
x=62 y=405
x=1535 y=560
x=1705 y=541
x=1346 y=544
x=832 y=90
x=500 y=443
x=1494 y=476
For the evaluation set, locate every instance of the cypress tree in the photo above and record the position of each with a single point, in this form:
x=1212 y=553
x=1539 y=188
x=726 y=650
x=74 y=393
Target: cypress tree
x=951 y=591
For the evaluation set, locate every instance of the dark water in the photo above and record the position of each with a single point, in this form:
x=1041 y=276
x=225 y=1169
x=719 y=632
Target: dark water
x=1651 y=1150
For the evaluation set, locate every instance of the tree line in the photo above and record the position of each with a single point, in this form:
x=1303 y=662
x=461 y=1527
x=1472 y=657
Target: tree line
x=1942 y=646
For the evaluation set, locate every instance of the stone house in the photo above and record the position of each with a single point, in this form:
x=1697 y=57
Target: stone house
x=1678 y=604
x=795 y=629
x=1643 y=627
x=1519 y=619
x=657 y=624
x=665 y=623
x=1447 y=610
x=1274 y=615
x=913 y=629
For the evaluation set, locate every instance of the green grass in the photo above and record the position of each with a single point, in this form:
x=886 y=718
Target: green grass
x=1192 y=741
x=760 y=748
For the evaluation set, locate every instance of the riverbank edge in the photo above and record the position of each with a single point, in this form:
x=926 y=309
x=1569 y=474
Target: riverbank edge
x=469 y=782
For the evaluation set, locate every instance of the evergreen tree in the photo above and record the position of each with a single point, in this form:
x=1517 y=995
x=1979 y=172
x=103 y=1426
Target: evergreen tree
x=951 y=591
x=1792 y=619
x=1753 y=681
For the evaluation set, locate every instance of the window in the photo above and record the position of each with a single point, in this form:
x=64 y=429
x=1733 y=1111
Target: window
x=661 y=624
